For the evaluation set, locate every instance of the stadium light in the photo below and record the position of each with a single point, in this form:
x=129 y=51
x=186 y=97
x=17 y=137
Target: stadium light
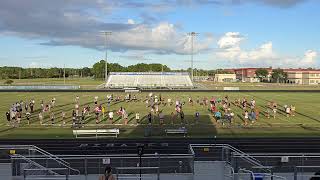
x=192 y=34
x=106 y=34
x=64 y=74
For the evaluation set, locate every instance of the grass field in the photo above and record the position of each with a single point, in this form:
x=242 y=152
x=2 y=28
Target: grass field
x=85 y=83
x=258 y=86
x=89 y=83
x=305 y=123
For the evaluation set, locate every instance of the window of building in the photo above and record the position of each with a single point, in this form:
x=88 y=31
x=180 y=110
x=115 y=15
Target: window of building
x=311 y=81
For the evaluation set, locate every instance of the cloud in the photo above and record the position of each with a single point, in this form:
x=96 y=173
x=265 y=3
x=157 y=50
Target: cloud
x=36 y=57
x=229 y=48
x=230 y=40
x=162 y=38
x=131 y=21
x=78 y=23
x=309 y=57
x=39 y=65
x=281 y=3
x=167 y=5
x=193 y=3
x=272 y=3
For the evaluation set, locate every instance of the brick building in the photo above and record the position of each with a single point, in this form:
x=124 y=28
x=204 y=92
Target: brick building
x=247 y=74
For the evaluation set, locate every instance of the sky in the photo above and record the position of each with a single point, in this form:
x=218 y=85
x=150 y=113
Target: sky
x=229 y=33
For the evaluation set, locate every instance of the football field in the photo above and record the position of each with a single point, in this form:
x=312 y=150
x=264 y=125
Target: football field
x=306 y=121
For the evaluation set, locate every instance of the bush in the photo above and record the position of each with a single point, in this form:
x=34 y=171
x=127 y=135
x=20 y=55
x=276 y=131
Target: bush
x=8 y=82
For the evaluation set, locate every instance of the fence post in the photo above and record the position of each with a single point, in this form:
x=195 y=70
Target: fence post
x=193 y=164
x=302 y=169
x=159 y=161
x=222 y=154
x=85 y=167
x=68 y=173
x=295 y=173
x=117 y=174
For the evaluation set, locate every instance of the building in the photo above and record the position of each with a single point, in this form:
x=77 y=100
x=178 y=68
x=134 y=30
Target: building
x=248 y=74
x=303 y=76
x=224 y=77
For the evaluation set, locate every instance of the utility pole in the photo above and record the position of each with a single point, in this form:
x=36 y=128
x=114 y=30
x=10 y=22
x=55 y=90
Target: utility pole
x=106 y=34
x=192 y=34
x=64 y=74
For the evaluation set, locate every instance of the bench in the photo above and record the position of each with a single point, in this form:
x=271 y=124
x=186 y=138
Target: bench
x=96 y=132
x=177 y=131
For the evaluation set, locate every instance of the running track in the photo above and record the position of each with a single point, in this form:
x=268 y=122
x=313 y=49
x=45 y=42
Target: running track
x=170 y=145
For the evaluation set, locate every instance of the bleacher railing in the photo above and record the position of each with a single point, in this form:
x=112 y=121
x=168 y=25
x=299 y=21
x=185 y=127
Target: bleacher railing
x=167 y=163
x=298 y=165
x=237 y=163
x=39 y=158
x=228 y=152
x=138 y=173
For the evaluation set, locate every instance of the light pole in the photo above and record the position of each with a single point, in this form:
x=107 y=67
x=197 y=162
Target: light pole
x=106 y=34
x=192 y=34
x=64 y=74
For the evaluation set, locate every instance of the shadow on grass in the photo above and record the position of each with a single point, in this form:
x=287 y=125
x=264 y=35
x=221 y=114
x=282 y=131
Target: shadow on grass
x=7 y=129
x=205 y=127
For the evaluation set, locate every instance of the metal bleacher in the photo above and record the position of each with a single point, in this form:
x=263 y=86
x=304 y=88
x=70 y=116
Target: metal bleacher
x=147 y=80
x=196 y=162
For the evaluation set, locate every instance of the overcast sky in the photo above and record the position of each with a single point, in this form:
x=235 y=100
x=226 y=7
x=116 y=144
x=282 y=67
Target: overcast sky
x=232 y=33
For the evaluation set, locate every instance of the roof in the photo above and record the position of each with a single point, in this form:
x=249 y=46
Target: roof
x=270 y=69
x=245 y=69
x=302 y=70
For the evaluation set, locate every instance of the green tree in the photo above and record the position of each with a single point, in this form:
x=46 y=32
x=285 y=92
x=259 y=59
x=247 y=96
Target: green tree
x=278 y=75
x=262 y=73
x=98 y=69
x=115 y=67
x=86 y=72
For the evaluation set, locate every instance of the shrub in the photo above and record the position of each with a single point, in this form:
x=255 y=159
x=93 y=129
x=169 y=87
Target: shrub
x=8 y=82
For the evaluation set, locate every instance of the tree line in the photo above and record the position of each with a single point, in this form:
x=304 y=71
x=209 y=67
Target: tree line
x=98 y=71
x=28 y=73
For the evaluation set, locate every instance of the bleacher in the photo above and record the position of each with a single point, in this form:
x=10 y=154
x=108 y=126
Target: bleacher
x=149 y=80
x=197 y=162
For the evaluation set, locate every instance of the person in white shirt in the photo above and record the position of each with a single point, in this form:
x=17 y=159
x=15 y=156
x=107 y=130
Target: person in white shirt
x=53 y=101
x=96 y=100
x=40 y=118
x=137 y=118
x=111 y=116
x=288 y=111
x=63 y=115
